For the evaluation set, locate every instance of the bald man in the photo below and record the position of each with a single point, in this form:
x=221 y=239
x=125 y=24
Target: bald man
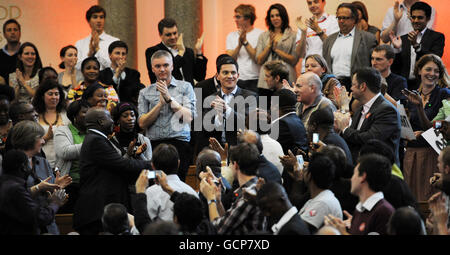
x=105 y=174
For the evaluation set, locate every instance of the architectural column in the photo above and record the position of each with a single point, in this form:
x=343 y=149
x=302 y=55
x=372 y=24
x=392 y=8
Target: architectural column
x=189 y=17
x=121 y=22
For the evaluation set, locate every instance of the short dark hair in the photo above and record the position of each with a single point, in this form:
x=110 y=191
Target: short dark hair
x=16 y=109
x=322 y=118
x=62 y=53
x=371 y=77
x=88 y=59
x=37 y=64
x=248 y=11
x=423 y=7
x=74 y=108
x=117 y=44
x=388 y=50
x=405 y=221
x=322 y=170
x=337 y=155
x=8 y=92
x=165 y=157
x=378 y=170
x=226 y=60
x=115 y=219
x=45 y=69
x=211 y=158
x=277 y=67
x=283 y=14
x=94 y=9
x=352 y=8
x=166 y=22
x=189 y=211
x=287 y=99
x=9 y=22
x=377 y=147
x=246 y=155
x=38 y=99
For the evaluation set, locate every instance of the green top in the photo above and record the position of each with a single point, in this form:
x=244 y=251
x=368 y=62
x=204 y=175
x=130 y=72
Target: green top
x=78 y=138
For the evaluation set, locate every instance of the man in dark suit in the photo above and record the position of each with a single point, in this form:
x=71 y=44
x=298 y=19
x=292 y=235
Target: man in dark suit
x=275 y=204
x=230 y=105
x=375 y=119
x=105 y=174
x=349 y=43
x=118 y=74
x=415 y=44
x=291 y=131
x=187 y=64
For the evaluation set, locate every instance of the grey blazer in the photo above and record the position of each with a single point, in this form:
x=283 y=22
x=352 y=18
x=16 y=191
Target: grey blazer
x=65 y=150
x=363 y=44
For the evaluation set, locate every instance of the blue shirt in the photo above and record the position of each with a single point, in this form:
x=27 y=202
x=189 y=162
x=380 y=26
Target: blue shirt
x=168 y=125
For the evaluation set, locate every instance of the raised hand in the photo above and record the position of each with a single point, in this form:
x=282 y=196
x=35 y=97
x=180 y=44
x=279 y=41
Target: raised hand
x=163 y=90
x=180 y=45
x=313 y=24
x=413 y=97
x=215 y=145
x=301 y=24
x=398 y=12
x=130 y=149
x=396 y=40
x=62 y=181
x=412 y=37
x=142 y=182
x=199 y=44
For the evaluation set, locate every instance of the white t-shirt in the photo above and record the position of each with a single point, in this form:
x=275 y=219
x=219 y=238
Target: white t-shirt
x=315 y=209
x=248 y=69
x=329 y=25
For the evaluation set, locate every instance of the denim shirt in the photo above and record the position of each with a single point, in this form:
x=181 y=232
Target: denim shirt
x=168 y=125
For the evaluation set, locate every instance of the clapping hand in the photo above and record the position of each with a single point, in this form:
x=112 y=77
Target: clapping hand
x=313 y=24
x=215 y=145
x=396 y=40
x=198 y=46
x=342 y=99
x=180 y=45
x=398 y=12
x=300 y=22
x=62 y=181
x=163 y=90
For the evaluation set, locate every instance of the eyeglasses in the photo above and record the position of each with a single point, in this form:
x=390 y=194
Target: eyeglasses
x=343 y=18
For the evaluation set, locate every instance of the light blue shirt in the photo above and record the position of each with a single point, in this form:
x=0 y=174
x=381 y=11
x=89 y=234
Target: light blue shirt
x=168 y=125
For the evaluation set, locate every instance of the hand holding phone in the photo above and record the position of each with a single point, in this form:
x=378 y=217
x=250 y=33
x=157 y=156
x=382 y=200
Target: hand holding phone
x=152 y=174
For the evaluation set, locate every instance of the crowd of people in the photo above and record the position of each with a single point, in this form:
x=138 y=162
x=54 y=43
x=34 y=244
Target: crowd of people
x=322 y=152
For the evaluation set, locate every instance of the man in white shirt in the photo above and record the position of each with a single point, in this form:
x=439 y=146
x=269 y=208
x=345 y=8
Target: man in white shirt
x=165 y=158
x=241 y=45
x=313 y=31
x=397 y=20
x=97 y=43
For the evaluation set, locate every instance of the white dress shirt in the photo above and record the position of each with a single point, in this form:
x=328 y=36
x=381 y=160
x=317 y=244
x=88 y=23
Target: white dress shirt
x=370 y=202
x=102 y=54
x=414 y=55
x=341 y=54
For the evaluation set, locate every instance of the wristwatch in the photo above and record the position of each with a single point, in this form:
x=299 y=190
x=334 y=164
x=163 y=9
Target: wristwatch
x=212 y=201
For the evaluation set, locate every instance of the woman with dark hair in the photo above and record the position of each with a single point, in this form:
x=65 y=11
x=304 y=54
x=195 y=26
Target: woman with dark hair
x=278 y=43
x=420 y=158
x=363 y=20
x=25 y=80
x=49 y=103
x=70 y=77
x=318 y=65
x=90 y=68
x=132 y=143
x=68 y=141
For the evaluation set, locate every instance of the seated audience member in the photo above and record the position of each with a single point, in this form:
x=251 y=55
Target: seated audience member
x=8 y=54
x=25 y=79
x=319 y=176
x=90 y=68
x=5 y=122
x=242 y=217
x=275 y=205
x=375 y=119
x=68 y=140
x=275 y=72
x=132 y=143
x=51 y=107
x=71 y=76
x=21 y=213
x=27 y=136
x=272 y=149
x=115 y=220
x=309 y=97
x=321 y=122
x=188 y=64
x=188 y=213
x=96 y=44
x=165 y=158
x=288 y=129
x=241 y=45
x=161 y=227
x=104 y=173
x=417 y=43
x=118 y=72
x=363 y=20
x=316 y=63
x=397 y=192
x=372 y=214
x=406 y=221
x=277 y=43
x=350 y=48
x=420 y=158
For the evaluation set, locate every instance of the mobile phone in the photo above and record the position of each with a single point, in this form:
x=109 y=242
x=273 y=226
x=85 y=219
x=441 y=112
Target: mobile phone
x=300 y=161
x=437 y=124
x=315 y=138
x=152 y=174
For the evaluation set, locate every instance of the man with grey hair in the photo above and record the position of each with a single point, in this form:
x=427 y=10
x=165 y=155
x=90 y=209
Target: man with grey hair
x=309 y=96
x=166 y=109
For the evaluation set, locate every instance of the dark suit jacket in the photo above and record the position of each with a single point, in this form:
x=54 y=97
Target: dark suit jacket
x=432 y=42
x=268 y=170
x=363 y=44
x=192 y=67
x=237 y=117
x=295 y=226
x=104 y=178
x=132 y=78
x=382 y=123
x=292 y=134
x=396 y=84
